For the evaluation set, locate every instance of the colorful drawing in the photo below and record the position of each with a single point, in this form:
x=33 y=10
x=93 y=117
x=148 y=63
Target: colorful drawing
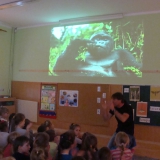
x=68 y=98
x=154 y=93
x=44 y=99
x=44 y=106
x=141 y=109
x=134 y=93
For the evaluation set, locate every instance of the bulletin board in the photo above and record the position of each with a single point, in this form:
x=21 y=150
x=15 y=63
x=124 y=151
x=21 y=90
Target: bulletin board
x=86 y=110
x=145 y=102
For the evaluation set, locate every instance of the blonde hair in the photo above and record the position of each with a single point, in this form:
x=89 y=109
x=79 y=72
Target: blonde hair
x=12 y=136
x=121 y=141
x=38 y=154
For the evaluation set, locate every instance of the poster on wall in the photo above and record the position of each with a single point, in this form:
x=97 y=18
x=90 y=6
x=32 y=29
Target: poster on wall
x=155 y=93
x=48 y=93
x=68 y=98
x=141 y=109
x=134 y=93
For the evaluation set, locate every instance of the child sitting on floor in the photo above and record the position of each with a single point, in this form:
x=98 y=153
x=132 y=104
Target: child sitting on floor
x=122 y=152
x=42 y=141
x=65 y=145
x=21 y=148
x=53 y=145
x=8 y=150
x=76 y=128
x=17 y=124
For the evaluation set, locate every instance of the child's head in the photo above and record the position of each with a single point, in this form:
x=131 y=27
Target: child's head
x=12 y=136
x=27 y=122
x=121 y=139
x=17 y=120
x=76 y=128
x=41 y=128
x=51 y=134
x=3 y=126
x=38 y=154
x=89 y=142
x=41 y=140
x=67 y=140
x=4 y=112
x=48 y=125
x=21 y=145
x=104 y=154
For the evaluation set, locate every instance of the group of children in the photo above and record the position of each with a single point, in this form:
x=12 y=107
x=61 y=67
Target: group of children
x=18 y=142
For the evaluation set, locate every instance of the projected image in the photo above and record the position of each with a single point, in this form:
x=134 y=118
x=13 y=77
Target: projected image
x=108 y=49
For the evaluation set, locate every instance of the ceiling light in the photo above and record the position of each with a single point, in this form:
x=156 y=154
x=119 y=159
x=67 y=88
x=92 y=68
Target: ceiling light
x=14 y=3
x=90 y=19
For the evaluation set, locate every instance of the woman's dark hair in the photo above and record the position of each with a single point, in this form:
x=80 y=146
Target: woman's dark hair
x=19 y=141
x=89 y=145
x=66 y=140
x=27 y=122
x=3 y=126
x=104 y=154
x=119 y=96
x=73 y=126
x=19 y=117
x=51 y=134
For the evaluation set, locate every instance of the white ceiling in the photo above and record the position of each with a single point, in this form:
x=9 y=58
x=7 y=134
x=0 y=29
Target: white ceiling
x=42 y=12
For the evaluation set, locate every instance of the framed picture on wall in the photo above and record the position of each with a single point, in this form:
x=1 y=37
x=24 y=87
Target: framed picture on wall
x=68 y=98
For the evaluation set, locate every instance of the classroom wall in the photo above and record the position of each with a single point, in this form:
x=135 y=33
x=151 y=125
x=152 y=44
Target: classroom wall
x=5 y=60
x=31 y=56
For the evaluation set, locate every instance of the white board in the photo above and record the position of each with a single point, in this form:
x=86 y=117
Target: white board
x=28 y=108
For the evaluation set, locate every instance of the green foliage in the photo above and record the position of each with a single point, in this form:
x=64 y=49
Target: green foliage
x=134 y=70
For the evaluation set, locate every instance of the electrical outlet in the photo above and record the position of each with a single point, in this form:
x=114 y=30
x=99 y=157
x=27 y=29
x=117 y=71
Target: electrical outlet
x=98 y=111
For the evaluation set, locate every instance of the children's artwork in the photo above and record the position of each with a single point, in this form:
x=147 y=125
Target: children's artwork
x=154 y=93
x=134 y=93
x=48 y=93
x=68 y=98
x=141 y=109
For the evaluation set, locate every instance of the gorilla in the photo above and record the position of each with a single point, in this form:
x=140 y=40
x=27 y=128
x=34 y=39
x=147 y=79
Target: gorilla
x=100 y=58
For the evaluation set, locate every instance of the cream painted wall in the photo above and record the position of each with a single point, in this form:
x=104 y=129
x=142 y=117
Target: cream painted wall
x=5 y=46
x=31 y=56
